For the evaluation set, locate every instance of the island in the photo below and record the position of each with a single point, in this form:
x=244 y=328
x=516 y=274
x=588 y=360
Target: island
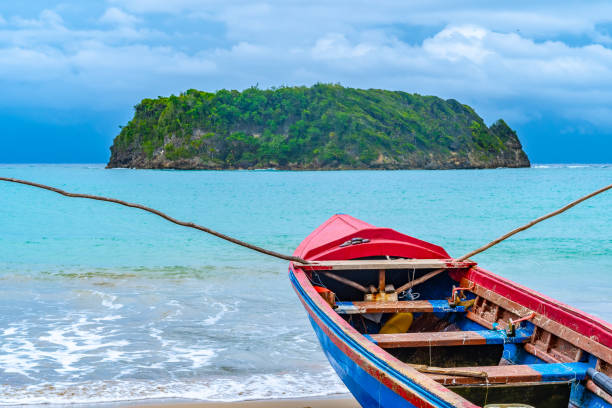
x=322 y=127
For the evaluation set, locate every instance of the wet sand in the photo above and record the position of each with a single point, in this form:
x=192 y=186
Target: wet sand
x=332 y=402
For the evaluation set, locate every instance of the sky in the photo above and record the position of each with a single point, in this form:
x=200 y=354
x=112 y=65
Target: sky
x=71 y=71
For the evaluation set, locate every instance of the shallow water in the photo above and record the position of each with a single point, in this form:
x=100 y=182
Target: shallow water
x=104 y=303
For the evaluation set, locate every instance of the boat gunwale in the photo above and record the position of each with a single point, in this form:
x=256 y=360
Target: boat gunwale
x=549 y=308
x=556 y=317
x=379 y=359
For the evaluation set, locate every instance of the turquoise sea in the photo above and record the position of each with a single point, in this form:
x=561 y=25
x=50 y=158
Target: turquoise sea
x=103 y=303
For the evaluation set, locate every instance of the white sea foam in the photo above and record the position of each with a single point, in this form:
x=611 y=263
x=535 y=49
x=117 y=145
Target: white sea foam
x=199 y=357
x=570 y=165
x=176 y=351
x=157 y=334
x=16 y=356
x=107 y=318
x=108 y=300
x=65 y=343
x=266 y=386
x=113 y=355
x=9 y=331
x=214 y=319
x=177 y=309
x=75 y=342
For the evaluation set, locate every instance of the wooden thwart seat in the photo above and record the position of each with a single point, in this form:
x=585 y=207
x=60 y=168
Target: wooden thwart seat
x=386 y=264
x=412 y=306
x=454 y=338
x=509 y=374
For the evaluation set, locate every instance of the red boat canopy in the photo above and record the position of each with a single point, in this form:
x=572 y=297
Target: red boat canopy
x=336 y=239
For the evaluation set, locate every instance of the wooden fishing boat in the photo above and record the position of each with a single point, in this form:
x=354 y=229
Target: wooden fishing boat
x=405 y=325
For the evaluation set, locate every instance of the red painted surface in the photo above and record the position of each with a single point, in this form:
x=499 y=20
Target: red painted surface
x=568 y=316
x=324 y=244
x=321 y=289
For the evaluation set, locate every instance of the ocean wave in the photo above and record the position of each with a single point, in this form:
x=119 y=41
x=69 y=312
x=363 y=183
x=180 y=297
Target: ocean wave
x=177 y=351
x=108 y=275
x=108 y=300
x=570 y=165
x=59 y=348
x=78 y=347
x=220 y=389
x=224 y=308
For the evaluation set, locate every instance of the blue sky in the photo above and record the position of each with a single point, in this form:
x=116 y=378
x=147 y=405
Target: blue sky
x=71 y=71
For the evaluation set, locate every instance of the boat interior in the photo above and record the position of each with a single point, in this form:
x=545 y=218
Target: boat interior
x=479 y=344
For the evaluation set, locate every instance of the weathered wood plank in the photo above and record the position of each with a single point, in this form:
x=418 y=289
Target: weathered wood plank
x=583 y=342
x=404 y=306
x=457 y=338
x=591 y=386
x=386 y=264
x=541 y=395
x=510 y=374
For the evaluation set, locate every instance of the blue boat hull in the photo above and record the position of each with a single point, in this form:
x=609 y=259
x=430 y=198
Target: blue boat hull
x=370 y=390
x=567 y=343
x=366 y=389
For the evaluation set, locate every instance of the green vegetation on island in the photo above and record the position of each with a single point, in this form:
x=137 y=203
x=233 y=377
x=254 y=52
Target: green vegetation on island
x=320 y=127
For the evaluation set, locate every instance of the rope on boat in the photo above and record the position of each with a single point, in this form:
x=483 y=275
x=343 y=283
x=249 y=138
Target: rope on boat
x=160 y=214
x=532 y=223
x=449 y=371
x=346 y=281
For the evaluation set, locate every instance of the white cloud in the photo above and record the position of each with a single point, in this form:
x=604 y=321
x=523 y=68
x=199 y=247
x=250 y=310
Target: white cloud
x=51 y=18
x=161 y=6
x=501 y=71
x=114 y=15
x=32 y=65
x=300 y=18
x=97 y=65
x=462 y=54
x=336 y=46
x=510 y=58
x=454 y=44
x=44 y=62
x=46 y=18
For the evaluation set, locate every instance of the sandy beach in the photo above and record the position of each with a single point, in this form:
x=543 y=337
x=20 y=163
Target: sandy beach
x=328 y=402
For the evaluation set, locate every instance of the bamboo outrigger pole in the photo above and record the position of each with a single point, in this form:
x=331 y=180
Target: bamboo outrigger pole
x=289 y=257
x=161 y=214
